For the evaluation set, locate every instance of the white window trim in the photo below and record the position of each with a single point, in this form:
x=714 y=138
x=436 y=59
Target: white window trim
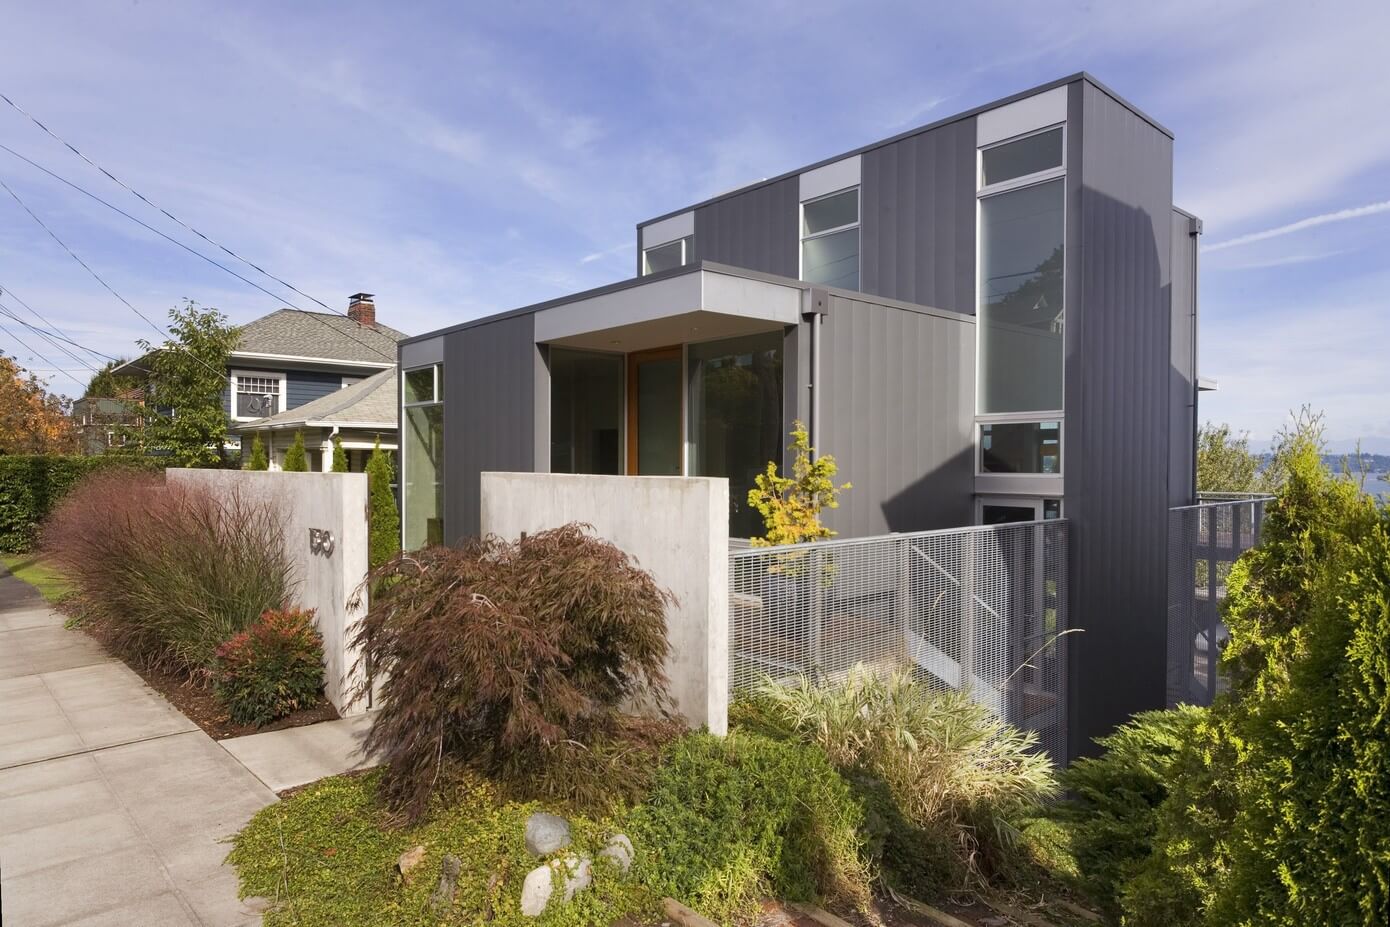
x=825 y=233
x=685 y=242
x=259 y=374
x=1026 y=180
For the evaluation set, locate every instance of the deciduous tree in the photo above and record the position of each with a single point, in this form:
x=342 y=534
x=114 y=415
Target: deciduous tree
x=187 y=376
x=32 y=420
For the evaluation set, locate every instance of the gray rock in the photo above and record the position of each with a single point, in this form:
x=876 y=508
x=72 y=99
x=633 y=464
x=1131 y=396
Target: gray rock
x=579 y=874
x=546 y=833
x=449 y=868
x=619 y=850
x=536 y=891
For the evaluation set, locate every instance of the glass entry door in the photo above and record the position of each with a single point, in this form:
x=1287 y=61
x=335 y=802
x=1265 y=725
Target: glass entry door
x=655 y=398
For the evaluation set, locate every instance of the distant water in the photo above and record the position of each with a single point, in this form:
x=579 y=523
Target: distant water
x=1379 y=485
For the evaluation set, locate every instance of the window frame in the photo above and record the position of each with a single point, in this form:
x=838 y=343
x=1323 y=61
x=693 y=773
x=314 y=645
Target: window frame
x=437 y=399
x=858 y=224
x=281 y=400
x=1016 y=418
x=1025 y=180
x=687 y=243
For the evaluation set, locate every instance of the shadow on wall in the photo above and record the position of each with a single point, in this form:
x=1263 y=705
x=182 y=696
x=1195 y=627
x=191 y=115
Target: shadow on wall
x=941 y=498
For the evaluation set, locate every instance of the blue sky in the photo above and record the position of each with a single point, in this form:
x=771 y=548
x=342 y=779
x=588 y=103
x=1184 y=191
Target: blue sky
x=462 y=159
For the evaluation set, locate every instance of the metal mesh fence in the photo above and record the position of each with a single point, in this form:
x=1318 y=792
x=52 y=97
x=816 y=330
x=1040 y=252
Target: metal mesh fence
x=977 y=609
x=1204 y=541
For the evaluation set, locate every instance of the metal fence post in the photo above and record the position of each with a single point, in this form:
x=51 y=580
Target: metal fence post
x=904 y=549
x=967 y=618
x=817 y=607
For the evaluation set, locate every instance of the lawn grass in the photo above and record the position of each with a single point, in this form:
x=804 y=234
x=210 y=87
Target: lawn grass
x=39 y=573
x=326 y=856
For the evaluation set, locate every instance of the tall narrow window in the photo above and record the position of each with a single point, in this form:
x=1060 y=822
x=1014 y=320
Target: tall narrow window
x=586 y=412
x=736 y=417
x=830 y=240
x=422 y=479
x=1021 y=317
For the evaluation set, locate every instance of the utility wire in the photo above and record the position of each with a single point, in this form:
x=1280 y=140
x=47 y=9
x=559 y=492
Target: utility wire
x=173 y=218
x=145 y=225
x=53 y=329
x=10 y=314
x=51 y=365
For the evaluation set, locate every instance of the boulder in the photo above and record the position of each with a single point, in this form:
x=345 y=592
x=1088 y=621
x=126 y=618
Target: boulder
x=619 y=850
x=546 y=833
x=449 y=868
x=579 y=874
x=536 y=891
x=408 y=861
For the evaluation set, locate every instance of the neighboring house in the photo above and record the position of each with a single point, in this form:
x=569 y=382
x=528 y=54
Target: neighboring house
x=291 y=360
x=991 y=318
x=103 y=422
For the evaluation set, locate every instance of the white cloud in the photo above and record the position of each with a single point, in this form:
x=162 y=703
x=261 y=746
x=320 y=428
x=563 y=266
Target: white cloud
x=1341 y=215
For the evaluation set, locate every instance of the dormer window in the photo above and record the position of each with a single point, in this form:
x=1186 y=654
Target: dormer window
x=669 y=256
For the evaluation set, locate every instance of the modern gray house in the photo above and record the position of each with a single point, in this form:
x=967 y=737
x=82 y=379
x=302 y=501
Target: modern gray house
x=991 y=318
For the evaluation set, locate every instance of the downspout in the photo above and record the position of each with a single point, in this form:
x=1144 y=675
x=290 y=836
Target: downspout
x=1194 y=229
x=819 y=300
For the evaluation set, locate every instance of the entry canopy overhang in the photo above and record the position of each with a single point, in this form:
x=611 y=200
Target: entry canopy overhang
x=701 y=306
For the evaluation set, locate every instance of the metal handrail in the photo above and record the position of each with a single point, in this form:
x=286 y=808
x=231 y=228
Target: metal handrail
x=1217 y=503
x=895 y=536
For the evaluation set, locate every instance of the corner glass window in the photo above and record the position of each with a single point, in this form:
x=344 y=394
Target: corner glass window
x=1020 y=323
x=1030 y=155
x=422 y=461
x=419 y=385
x=830 y=240
x=586 y=412
x=1021 y=447
x=668 y=257
x=736 y=425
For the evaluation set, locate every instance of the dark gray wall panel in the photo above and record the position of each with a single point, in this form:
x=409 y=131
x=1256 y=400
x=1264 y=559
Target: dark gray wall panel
x=1182 y=400
x=303 y=386
x=918 y=218
x=756 y=230
x=1119 y=319
x=895 y=407
x=489 y=412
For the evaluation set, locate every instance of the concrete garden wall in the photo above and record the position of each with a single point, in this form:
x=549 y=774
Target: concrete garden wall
x=334 y=504
x=676 y=528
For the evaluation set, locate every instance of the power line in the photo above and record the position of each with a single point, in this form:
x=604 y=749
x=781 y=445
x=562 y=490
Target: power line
x=51 y=365
x=10 y=314
x=169 y=339
x=198 y=254
x=116 y=180
x=53 y=329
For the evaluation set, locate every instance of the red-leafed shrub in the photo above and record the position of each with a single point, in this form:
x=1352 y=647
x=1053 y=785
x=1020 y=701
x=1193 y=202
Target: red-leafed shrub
x=505 y=654
x=271 y=669
x=169 y=572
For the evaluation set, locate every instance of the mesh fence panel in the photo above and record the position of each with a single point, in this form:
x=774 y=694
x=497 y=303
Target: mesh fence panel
x=977 y=609
x=1203 y=542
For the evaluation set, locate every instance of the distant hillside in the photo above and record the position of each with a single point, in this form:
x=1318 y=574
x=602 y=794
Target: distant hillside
x=1371 y=463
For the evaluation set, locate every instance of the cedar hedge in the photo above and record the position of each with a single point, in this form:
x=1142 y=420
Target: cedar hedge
x=31 y=485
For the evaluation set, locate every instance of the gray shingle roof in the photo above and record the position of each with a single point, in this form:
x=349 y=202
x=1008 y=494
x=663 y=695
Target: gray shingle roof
x=370 y=402
x=319 y=334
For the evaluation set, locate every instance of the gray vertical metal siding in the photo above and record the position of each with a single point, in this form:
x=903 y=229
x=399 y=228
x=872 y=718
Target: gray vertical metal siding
x=896 y=395
x=917 y=200
x=757 y=229
x=489 y=412
x=1117 y=427
x=1182 y=400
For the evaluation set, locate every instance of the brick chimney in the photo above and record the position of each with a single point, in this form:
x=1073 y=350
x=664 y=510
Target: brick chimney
x=361 y=309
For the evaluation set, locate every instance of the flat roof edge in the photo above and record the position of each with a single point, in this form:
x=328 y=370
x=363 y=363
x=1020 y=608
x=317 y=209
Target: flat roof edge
x=697 y=267
x=966 y=114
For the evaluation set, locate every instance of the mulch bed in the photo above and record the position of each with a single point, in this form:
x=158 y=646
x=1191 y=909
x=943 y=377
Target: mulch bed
x=201 y=706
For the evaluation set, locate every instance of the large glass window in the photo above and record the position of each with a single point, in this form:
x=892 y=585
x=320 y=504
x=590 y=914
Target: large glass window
x=1029 y=155
x=1021 y=447
x=586 y=411
x=422 y=485
x=830 y=240
x=257 y=395
x=736 y=416
x=669 y=256
x=1020 y=313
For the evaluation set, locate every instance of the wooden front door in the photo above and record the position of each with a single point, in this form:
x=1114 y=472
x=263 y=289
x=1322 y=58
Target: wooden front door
x=655 y=403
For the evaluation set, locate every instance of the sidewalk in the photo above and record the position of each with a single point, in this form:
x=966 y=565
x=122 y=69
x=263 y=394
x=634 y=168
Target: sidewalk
x=113 y=805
